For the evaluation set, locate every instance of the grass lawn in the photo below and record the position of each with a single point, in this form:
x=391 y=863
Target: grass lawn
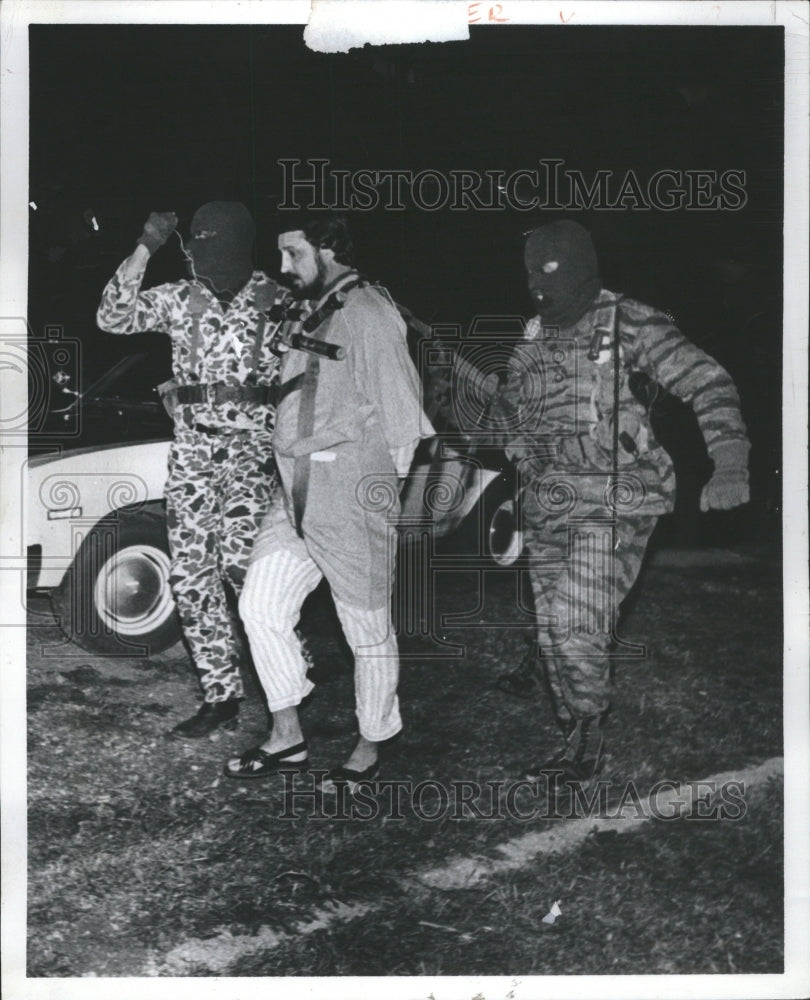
x=143 y=859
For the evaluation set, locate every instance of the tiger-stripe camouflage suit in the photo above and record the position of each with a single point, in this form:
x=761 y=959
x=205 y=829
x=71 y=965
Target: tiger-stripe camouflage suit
x=222 y=476
x=585 y=534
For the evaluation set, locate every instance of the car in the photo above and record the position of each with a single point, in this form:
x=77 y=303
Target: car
x=460 y=482
x=96 y=536
x=119 y=405
x=95 y=514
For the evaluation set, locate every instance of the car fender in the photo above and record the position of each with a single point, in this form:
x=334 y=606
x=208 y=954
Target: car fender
x=444 y=491
x=66 y=494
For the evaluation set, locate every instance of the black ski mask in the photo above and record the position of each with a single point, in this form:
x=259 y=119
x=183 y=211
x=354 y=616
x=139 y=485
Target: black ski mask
x=221 y=246
x=563 y=293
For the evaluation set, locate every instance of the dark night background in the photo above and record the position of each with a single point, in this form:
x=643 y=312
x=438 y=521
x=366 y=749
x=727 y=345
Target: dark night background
x=128 y=119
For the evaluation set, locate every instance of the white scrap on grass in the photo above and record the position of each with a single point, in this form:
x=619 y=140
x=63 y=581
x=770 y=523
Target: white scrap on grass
x=553 y=913
x=439 y=927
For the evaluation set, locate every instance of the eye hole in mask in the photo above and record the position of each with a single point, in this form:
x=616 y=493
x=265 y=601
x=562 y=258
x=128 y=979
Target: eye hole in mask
x=204 y=234
x=550 y=266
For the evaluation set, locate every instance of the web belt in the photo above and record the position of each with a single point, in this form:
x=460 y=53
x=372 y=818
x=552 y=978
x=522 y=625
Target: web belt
x=216 y=393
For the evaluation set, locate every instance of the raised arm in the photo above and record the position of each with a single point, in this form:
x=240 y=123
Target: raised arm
x=124 y=308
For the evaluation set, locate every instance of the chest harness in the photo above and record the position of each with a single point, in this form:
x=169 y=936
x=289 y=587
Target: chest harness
x=311 y=341
x=606 y=338
x=287 y=327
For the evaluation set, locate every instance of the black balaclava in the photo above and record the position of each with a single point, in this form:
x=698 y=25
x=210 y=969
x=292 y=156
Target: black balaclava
x=221 y=246
x=568 y=291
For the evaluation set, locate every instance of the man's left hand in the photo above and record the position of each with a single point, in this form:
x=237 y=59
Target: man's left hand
x=726 y=489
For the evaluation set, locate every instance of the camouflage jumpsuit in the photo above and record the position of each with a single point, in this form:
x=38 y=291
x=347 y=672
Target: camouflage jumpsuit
x=586 y=532
x=222 y=477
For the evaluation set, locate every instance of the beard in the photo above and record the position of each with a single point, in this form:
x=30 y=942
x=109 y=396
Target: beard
x=307 y=290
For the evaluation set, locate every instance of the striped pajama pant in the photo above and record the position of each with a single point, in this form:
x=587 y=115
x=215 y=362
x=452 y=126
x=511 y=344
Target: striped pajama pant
x=277 y=583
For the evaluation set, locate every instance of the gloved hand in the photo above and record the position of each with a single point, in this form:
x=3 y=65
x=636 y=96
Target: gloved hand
x=728 y=486
x=158 y=228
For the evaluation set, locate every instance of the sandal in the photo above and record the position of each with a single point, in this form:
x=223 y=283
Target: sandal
x=258 y=763
x=349 y=777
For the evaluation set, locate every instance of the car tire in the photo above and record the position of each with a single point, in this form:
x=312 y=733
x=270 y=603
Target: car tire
x=115 y=597
x=490 y=531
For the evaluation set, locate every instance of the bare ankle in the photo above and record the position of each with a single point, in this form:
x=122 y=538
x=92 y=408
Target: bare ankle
x=286 y=730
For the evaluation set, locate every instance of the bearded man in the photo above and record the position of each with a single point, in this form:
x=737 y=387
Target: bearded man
x=349 y=418
x=594 y=479
x=222 y=477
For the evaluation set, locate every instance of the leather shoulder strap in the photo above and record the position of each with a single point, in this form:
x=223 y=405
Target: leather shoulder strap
x=306 y=425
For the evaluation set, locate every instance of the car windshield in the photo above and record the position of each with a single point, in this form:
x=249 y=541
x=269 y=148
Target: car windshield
x=133 y=378
x=118 y=406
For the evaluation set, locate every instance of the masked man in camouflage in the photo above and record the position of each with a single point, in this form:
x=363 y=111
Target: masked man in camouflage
x=222 y=477
x=594 y=479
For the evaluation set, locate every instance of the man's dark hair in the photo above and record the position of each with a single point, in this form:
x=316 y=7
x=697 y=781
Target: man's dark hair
x=325 y=230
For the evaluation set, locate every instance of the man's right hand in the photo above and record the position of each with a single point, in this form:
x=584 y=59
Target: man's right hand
x=158 y=228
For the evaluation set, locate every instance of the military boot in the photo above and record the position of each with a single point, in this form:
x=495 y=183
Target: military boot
x=580 y=757
x=210 y=716
x=524 y=680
